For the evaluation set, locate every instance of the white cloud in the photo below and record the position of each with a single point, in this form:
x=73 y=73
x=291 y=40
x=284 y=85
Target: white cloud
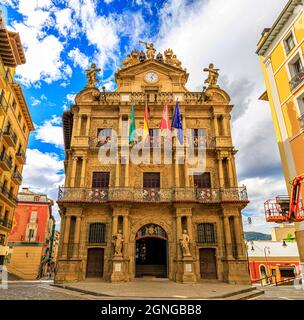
x=108 y=1
x=43 y=172
x=71 y=97
x=34 y=101
x=66 y=24
x=226 y=33
x=79 y=58
x=50 y=132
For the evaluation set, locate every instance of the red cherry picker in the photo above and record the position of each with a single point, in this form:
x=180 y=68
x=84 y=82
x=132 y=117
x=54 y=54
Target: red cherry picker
x=283 y=209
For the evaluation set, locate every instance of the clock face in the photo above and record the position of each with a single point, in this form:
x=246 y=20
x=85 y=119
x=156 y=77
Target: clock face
x=151 y=76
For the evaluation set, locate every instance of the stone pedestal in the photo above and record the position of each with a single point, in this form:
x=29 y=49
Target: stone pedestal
x=118 y=269
x=188 y=275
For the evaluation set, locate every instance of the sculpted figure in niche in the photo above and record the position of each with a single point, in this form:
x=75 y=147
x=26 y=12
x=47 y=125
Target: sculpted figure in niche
x=184 y=242
x=118 y=240
x=212 y=76
x=91 y=76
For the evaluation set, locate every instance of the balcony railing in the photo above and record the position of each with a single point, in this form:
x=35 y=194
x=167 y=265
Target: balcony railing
x=5 y=223
x=4 y=191
x=3 y=103
x=152 y=195
x=17 y=177
x=11 y=136
x=5 y=162
x=301 y=119
x=20 y=156
x=296 y=80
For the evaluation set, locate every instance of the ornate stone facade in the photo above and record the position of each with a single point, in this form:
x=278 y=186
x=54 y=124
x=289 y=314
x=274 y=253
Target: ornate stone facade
x=156 y=226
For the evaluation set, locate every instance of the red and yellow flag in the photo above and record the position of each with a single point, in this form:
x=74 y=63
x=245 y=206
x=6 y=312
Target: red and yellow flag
x=146 y=124
x=165 y=123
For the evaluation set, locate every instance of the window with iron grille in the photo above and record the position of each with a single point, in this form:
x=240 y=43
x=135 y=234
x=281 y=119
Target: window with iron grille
x=101 y=179
x=202 y=181
x=151 y=180
x=97 y=233
x=206 y=233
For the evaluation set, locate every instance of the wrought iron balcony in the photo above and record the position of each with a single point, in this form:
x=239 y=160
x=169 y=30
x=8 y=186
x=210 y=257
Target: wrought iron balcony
x=10 y=136
x=5 y=162
x=20 y=156
x=152 y=195
x=3 y=103
x=7 y=194
x=301 y=119
x=17 y=177
x=5 y=223
x=296 y=80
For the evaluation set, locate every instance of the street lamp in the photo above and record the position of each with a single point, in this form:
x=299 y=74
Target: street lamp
x=284 y=244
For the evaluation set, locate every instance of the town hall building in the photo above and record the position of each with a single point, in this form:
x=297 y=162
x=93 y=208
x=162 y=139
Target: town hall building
x=124 y=220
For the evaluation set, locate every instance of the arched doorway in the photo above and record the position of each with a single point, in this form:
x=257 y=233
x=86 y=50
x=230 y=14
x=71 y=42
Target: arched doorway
x=151 y=252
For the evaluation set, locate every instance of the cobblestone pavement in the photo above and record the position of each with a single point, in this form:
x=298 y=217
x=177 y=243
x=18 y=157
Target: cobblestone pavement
x=281 y=293
x=38 y=291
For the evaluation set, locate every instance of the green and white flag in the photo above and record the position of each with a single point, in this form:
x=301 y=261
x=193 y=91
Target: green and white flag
x=132 y=125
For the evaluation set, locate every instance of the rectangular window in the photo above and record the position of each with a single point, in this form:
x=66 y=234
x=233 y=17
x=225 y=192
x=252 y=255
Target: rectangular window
x=298 y=67
x=2 y=239
x=33 y=218
x=101 y=180
x=31 y=234
x=97 y=233
x=289 y=43
x=202 y=181
x=206 y=233
x=103 y=136
x=151 y=180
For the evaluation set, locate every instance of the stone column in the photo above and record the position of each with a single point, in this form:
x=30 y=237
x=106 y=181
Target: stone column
x=238 y=227
x=228 y=242
x=127 y=174
x=176 y=171
x=225 y=127
x=114 y=224
x=189 y=227
x=215 y=125
x=79 y=125
x=66 y=236
x=83 y=172
x=88 y=126
x=73 y=172
x=126 y=234
x=221 y=174
x=187 y=180
x=77 y=237
x=230 y=173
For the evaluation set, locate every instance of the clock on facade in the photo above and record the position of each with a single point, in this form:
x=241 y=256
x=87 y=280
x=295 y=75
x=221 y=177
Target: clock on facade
x=151 y=76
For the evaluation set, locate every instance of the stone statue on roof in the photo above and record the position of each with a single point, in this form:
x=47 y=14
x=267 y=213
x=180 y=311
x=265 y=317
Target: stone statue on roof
x=212 y=76
x=150 y=49
x=91 y=76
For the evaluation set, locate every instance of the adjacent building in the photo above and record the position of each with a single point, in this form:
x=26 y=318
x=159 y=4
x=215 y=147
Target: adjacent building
x=125 y=220
x=273 y=261
x=281 y=51
x=32 y=238
x=15 y=126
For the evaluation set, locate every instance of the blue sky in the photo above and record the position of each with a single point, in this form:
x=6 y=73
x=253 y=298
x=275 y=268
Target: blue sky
x=61 y=38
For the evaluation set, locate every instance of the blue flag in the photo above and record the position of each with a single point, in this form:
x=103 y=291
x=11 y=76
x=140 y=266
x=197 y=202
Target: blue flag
x=177 y=123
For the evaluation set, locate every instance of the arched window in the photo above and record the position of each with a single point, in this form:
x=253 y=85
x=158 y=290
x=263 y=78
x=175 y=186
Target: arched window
x=263 y=271
x=97 y=233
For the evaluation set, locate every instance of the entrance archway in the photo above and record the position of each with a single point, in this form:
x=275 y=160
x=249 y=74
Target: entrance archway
x=151 y=252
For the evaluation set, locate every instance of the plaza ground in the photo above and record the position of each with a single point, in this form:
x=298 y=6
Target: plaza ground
x=44 y=290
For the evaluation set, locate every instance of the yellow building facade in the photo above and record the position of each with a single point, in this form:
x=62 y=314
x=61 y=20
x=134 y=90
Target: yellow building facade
x=281 y=51
x=15 y=126
x=129 y=219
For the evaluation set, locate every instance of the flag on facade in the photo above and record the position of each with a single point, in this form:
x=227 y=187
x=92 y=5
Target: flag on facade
x=177 y=123
x=165 y=124
x=146 y=124
x=132 y=125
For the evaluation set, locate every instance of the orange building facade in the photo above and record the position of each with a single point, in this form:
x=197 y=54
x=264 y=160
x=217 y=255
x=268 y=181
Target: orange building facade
x=32 y=236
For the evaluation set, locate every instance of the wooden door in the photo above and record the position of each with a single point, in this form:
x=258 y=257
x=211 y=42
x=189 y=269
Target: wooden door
x=208 y=263
x=95 y=263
